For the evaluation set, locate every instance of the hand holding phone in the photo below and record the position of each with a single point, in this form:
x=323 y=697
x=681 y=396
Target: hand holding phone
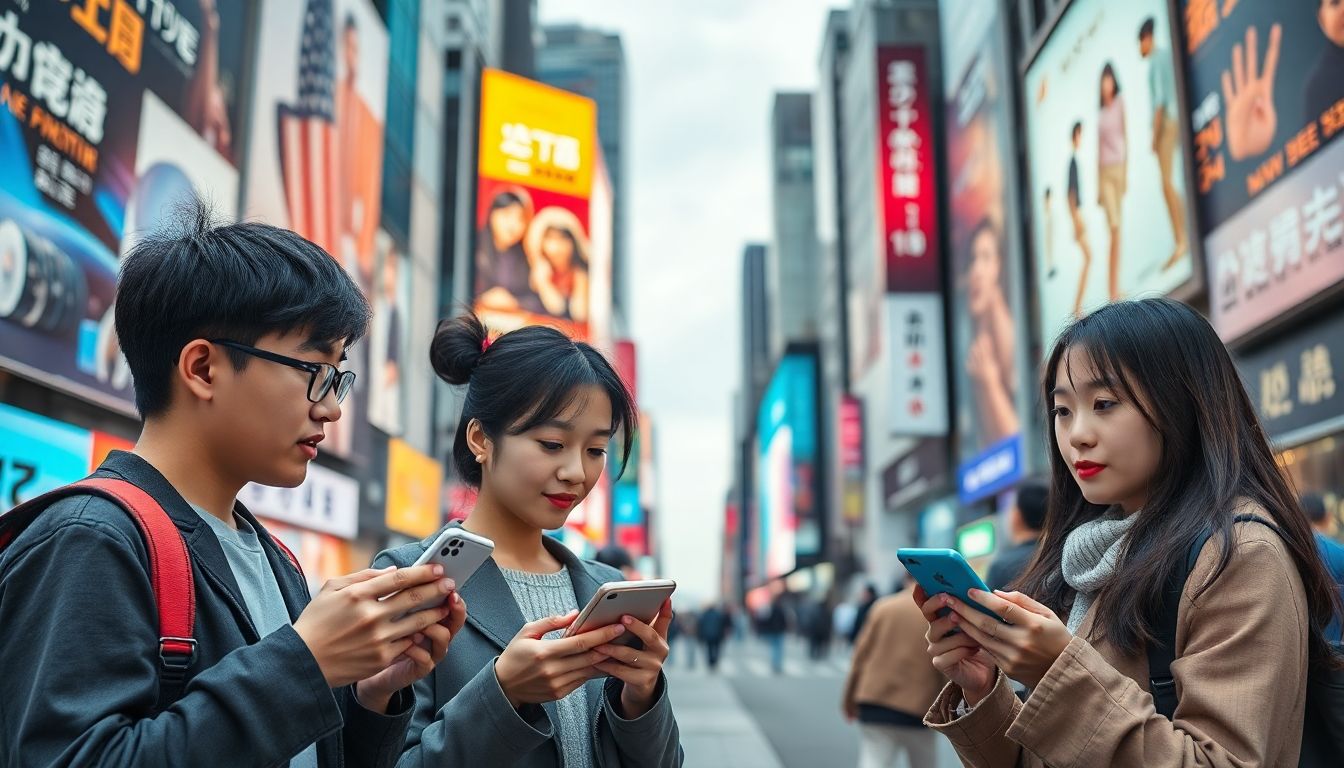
x=461 y=553
x=640 y=599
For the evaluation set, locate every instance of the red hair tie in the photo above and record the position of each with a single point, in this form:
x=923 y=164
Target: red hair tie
x=485 y=344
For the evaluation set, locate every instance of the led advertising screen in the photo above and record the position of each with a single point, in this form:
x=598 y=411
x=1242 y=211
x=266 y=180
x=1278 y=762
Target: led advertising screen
x=538 y=148
x=1266 y=83
x=112 y=115
x=315 y=164
x=1108 y=190
x=786 y=493
x=990 y=367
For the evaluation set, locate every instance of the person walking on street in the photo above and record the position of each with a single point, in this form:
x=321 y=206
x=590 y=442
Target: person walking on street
x=817 y=628
x=773 y=627
x=891 y=684
x=1025 y=521
x=1332 y=552
x=861 y=615
x=713 y=627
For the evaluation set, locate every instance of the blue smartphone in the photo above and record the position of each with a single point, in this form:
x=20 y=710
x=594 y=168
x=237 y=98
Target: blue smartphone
x=941 y=571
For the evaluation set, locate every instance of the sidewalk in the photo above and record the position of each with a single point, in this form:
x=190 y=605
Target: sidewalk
x=715 y=731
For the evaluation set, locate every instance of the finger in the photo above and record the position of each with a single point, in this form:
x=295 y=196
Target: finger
x=457 y=614
x=577 y=662
x=932 y=606
x=1025 y=601
x=993 y=602
x=585 y=642
x=421 y=658
x=418 y=621
x=571 y=681
x=952 y=642
x=1239 y=74
x=641 y=630
x=623 y=672
x=439 y=637
x=1228 y=94
x=1272 y=55
x=998 y=647
x=1252 y=54
x=664 y=620
x=628 y=656
x=952 y=658
x=398 y=580
x=341 y=582
x=536 y=629
x=940 y=627
x=919 y=595
x=414 y=597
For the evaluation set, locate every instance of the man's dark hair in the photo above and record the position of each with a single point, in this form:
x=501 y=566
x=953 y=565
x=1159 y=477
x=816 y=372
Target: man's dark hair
x=195 y=280
x=1146 y=29
x=1314 y=505
x=1031 y=502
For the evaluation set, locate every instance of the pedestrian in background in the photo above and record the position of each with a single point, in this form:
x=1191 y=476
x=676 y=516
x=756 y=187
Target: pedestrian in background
x=891 y=684
x=713 y=627
x=616 y=557
x=866 y=601
x=1332 y=552
x=816 y=627
x=1025 y=521
x=774 y=624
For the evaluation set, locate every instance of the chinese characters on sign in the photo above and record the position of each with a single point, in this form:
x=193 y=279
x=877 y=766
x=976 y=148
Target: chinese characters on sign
x=906 y=176
x=918 y=374
x=1295 y=383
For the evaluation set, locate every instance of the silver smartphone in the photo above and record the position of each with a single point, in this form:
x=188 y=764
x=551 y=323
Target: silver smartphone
x=460 y=553
x=615 y=599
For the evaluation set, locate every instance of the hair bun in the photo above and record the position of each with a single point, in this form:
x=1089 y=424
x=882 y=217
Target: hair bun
x=457 y=348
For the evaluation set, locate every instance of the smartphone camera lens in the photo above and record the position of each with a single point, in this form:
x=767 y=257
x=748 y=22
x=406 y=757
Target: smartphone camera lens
x=611 y=596
x=444 y=552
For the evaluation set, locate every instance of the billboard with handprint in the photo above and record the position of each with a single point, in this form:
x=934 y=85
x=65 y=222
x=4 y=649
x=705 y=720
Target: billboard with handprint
x=1266 y=85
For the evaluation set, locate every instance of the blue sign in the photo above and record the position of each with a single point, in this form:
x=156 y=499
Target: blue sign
x=996 y=469
x=625 y=509
x=38 y=454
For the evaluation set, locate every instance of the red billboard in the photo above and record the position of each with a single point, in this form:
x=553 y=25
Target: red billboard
x=906 y=170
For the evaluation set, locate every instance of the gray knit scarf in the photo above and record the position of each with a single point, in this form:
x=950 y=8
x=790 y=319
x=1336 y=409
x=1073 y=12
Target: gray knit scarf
x=1091 y=553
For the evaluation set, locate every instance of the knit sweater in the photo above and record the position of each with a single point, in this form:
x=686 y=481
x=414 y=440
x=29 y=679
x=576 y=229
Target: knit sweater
x=552 y=594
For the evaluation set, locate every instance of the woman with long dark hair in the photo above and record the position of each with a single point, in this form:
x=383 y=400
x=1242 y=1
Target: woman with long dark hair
x=1153 y=444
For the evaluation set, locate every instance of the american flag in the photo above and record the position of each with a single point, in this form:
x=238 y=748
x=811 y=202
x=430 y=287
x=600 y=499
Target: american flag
x=308 y=132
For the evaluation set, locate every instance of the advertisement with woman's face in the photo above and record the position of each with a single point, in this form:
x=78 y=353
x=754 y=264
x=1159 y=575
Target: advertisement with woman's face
x=989 y=349
x=538 y=150
x=1108 y=187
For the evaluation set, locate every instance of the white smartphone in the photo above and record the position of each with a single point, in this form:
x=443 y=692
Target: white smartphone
x=460 y=553
x=615 y=599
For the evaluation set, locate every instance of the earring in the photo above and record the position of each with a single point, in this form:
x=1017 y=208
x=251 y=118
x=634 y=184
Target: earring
x=480 y=458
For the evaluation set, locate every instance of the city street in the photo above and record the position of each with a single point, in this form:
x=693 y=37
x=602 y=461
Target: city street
x=746 y=717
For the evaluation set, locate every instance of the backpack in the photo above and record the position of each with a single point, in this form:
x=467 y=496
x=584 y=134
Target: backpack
x=1323 y=728
x=169 y=567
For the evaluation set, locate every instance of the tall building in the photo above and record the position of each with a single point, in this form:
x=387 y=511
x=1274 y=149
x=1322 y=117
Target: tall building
x=792 y=264
x=844 y=493
x=756 y=365
x=591 y=62
x=907 y=468
x=515 y=32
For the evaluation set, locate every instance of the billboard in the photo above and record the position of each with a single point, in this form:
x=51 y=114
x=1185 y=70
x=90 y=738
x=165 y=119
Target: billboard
x=111 y=115
x=326 y=501
x=1108 y=191
x=989 y=350
x=414 y=490
x=315 y=163
x=38 y=455
x=1267 y=109
x=537 y=154
x=787 y=517
x=906 y=182
x=389 y=335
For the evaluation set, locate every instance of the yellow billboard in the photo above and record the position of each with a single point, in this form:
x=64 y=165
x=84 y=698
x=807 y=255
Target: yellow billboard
x=536 y=135
x=414 y=482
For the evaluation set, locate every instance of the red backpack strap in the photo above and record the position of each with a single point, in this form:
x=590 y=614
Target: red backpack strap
x=169 y=567
x=294 y=561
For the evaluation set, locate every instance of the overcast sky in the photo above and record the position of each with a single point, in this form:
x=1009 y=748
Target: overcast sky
x=701 y=76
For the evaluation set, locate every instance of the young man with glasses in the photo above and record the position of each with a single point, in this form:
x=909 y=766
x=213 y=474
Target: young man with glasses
x=234 y=335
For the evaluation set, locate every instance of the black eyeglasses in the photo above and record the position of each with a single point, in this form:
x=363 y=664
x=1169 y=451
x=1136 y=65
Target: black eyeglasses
x=322 y=376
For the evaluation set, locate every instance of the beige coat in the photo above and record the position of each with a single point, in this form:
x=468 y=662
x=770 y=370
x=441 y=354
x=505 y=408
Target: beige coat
x=891 y=665
x=1241 y=675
